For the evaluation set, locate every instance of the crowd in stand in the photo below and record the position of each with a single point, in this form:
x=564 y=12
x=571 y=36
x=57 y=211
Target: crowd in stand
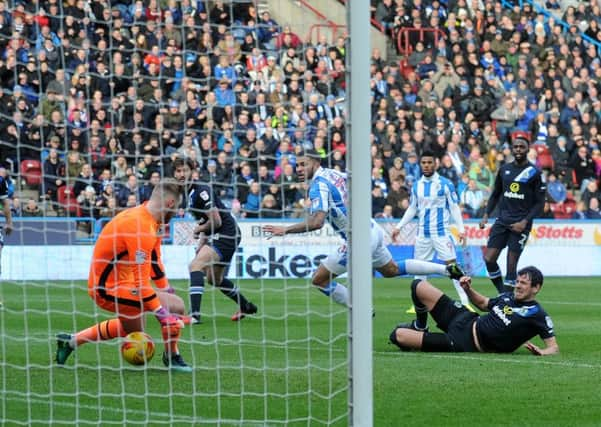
x=106 y=95
x=478 y=75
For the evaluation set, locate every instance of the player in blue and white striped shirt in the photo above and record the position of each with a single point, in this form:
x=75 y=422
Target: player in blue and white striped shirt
x=328 y=194
x=435 y=202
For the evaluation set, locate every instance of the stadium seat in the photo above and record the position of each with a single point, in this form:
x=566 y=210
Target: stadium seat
x=31 y=172
x=68 y=201
x=564 y=210
x=544 y=158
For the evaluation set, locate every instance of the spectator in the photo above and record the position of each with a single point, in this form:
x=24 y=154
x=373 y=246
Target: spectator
x=378 y=201
x=483 y=177
x=252 y=204
x=31 y=209
x=397 y=195
x=584 y=168
x=590 y=192
x=270 y=207
x=556 y=189
x=146 y=190
x=505 y=116
x=473 y=200
x=87 y=205
x=411 y=167
x=131 y=188
x=54 y=173
x=593 y=211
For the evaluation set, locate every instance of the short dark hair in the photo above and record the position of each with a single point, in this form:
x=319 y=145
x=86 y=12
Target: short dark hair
x=534 y=274
x=311 y=154
x=427 y=153
x=179 y=162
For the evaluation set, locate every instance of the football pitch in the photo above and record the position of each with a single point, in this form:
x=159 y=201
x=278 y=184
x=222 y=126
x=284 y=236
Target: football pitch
x=288 y=365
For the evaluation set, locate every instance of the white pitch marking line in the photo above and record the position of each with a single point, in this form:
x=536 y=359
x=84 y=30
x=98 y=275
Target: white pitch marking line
x=150 y=414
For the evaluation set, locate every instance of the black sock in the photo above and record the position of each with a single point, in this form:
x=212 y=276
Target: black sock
x=421 y=312
x=495 y=275
x=231 y=291
x=197 y=288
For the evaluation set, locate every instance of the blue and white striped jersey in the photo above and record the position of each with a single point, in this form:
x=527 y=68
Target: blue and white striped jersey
x=433 y=198
x=329 y=193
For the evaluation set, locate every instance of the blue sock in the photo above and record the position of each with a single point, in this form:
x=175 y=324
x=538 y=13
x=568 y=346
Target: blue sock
x=328 y=289
x=402 y=268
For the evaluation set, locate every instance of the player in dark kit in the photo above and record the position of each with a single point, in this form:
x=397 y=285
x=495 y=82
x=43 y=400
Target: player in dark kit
x=520 y=193
x=219 y=237
x=7 y=227
x=512 y=320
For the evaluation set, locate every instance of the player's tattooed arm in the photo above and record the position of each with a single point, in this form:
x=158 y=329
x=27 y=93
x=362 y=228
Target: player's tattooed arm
x=314 y=222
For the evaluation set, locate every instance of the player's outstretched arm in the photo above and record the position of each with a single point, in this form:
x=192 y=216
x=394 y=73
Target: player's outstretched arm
x=313 y=222
x=476 y=298
x=406 y=219
x=551 y=347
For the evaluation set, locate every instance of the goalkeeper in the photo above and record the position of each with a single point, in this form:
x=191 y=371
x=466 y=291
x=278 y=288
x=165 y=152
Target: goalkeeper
x=513 y=319
x=126 y=256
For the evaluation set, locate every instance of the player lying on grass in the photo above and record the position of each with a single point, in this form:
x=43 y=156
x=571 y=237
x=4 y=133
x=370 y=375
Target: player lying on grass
x=513 y=319
x=126 y=256
x=328 y=195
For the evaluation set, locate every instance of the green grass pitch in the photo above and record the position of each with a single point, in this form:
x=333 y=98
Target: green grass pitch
x=288 y=365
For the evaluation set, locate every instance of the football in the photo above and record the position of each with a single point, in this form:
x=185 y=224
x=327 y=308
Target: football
x=137 y=348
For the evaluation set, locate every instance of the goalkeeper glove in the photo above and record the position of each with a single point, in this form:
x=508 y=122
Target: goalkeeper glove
x=169 y=319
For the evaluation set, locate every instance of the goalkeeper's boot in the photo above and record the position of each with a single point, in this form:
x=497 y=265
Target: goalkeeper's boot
x=63 y=347
x=176 y=362
x=410 y=310
x=249 y=308
x=455 y=272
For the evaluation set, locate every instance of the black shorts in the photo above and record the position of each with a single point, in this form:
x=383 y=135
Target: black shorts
x=501 y=236
x=225 y=246
x=456 y=321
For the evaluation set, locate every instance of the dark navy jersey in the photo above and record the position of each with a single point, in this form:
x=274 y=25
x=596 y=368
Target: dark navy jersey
x=3 y=188
x=510 y=324
x=520 y=193
x=201 y=199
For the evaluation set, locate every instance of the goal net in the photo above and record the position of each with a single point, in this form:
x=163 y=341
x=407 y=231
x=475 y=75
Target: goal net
x=99 y=102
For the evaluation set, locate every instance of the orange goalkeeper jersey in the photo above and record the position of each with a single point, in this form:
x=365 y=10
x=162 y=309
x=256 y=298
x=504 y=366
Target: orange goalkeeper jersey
x=126 y=256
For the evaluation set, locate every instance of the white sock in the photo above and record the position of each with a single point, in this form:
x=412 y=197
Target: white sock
x=416 y=267
x=340 y=295
x=462 y=295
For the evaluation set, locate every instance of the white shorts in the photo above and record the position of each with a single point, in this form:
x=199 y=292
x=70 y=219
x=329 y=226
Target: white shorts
x=380 y=255
x=426 y=246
